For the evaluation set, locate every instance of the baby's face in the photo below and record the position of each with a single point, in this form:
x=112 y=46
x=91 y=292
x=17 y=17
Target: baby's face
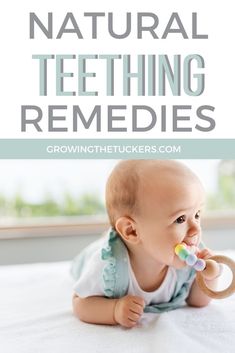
x=170 y=214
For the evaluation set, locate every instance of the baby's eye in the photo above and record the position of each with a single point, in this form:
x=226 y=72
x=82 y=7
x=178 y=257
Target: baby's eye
x=180 y=219
x=197 y=215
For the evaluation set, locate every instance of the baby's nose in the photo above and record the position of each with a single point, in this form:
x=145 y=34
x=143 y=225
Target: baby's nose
x=193 y=232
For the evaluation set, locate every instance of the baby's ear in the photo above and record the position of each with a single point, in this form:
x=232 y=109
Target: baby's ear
x=126 y=227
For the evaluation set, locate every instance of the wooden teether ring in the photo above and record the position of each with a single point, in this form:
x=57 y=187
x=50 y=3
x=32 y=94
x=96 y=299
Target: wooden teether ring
x=223 y=293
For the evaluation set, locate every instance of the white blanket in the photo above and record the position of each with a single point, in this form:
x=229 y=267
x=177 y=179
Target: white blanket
x=36 y=317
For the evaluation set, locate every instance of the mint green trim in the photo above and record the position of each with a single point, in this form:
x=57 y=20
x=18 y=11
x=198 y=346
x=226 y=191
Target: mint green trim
x=115 y=274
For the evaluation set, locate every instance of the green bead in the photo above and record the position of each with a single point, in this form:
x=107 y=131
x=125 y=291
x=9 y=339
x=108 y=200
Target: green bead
x=183 y=254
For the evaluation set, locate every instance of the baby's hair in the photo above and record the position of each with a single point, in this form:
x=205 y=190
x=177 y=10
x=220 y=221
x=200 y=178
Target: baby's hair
x=121 y=190
x=123 y=185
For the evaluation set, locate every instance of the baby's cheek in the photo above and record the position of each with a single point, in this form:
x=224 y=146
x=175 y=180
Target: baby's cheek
x=170 y=258
x=177 y=235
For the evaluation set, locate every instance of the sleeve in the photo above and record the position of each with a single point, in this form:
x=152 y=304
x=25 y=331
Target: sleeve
x=90 y=281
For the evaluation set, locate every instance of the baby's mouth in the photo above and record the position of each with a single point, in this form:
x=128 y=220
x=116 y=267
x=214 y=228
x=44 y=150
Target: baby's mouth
x=192 y=242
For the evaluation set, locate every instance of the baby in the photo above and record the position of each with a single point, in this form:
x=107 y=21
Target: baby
x=152 y=206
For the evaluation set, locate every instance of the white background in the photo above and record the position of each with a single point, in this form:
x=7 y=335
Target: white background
x=19 y=72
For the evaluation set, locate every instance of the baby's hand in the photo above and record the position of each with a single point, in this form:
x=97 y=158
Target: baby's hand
x=213 y=269
x=205 y=254
x=128 y=310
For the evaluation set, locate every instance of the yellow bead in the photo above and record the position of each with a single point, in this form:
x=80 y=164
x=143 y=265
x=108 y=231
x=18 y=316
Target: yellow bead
x=179 y=247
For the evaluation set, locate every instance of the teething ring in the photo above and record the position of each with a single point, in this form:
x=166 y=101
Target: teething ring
x=223 y=293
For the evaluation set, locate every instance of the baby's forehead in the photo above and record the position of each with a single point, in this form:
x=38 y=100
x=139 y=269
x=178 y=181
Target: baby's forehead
x=169 y=185
x=156 y=175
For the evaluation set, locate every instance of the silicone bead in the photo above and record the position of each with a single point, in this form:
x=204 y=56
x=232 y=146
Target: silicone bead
x=191 y=259
x=200 y=265
x=178 y=248
x=183 y=254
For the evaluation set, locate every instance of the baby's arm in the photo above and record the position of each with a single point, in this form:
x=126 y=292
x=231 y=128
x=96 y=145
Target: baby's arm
x=196 y=296
x=125 y=311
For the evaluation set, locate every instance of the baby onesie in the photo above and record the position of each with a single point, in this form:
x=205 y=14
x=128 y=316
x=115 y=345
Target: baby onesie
x=104 y=269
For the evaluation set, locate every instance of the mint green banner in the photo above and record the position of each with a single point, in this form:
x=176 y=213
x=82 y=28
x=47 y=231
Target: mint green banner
x=117 y=148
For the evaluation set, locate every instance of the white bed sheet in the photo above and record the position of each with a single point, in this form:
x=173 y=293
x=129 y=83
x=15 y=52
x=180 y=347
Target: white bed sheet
x=36 y=316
